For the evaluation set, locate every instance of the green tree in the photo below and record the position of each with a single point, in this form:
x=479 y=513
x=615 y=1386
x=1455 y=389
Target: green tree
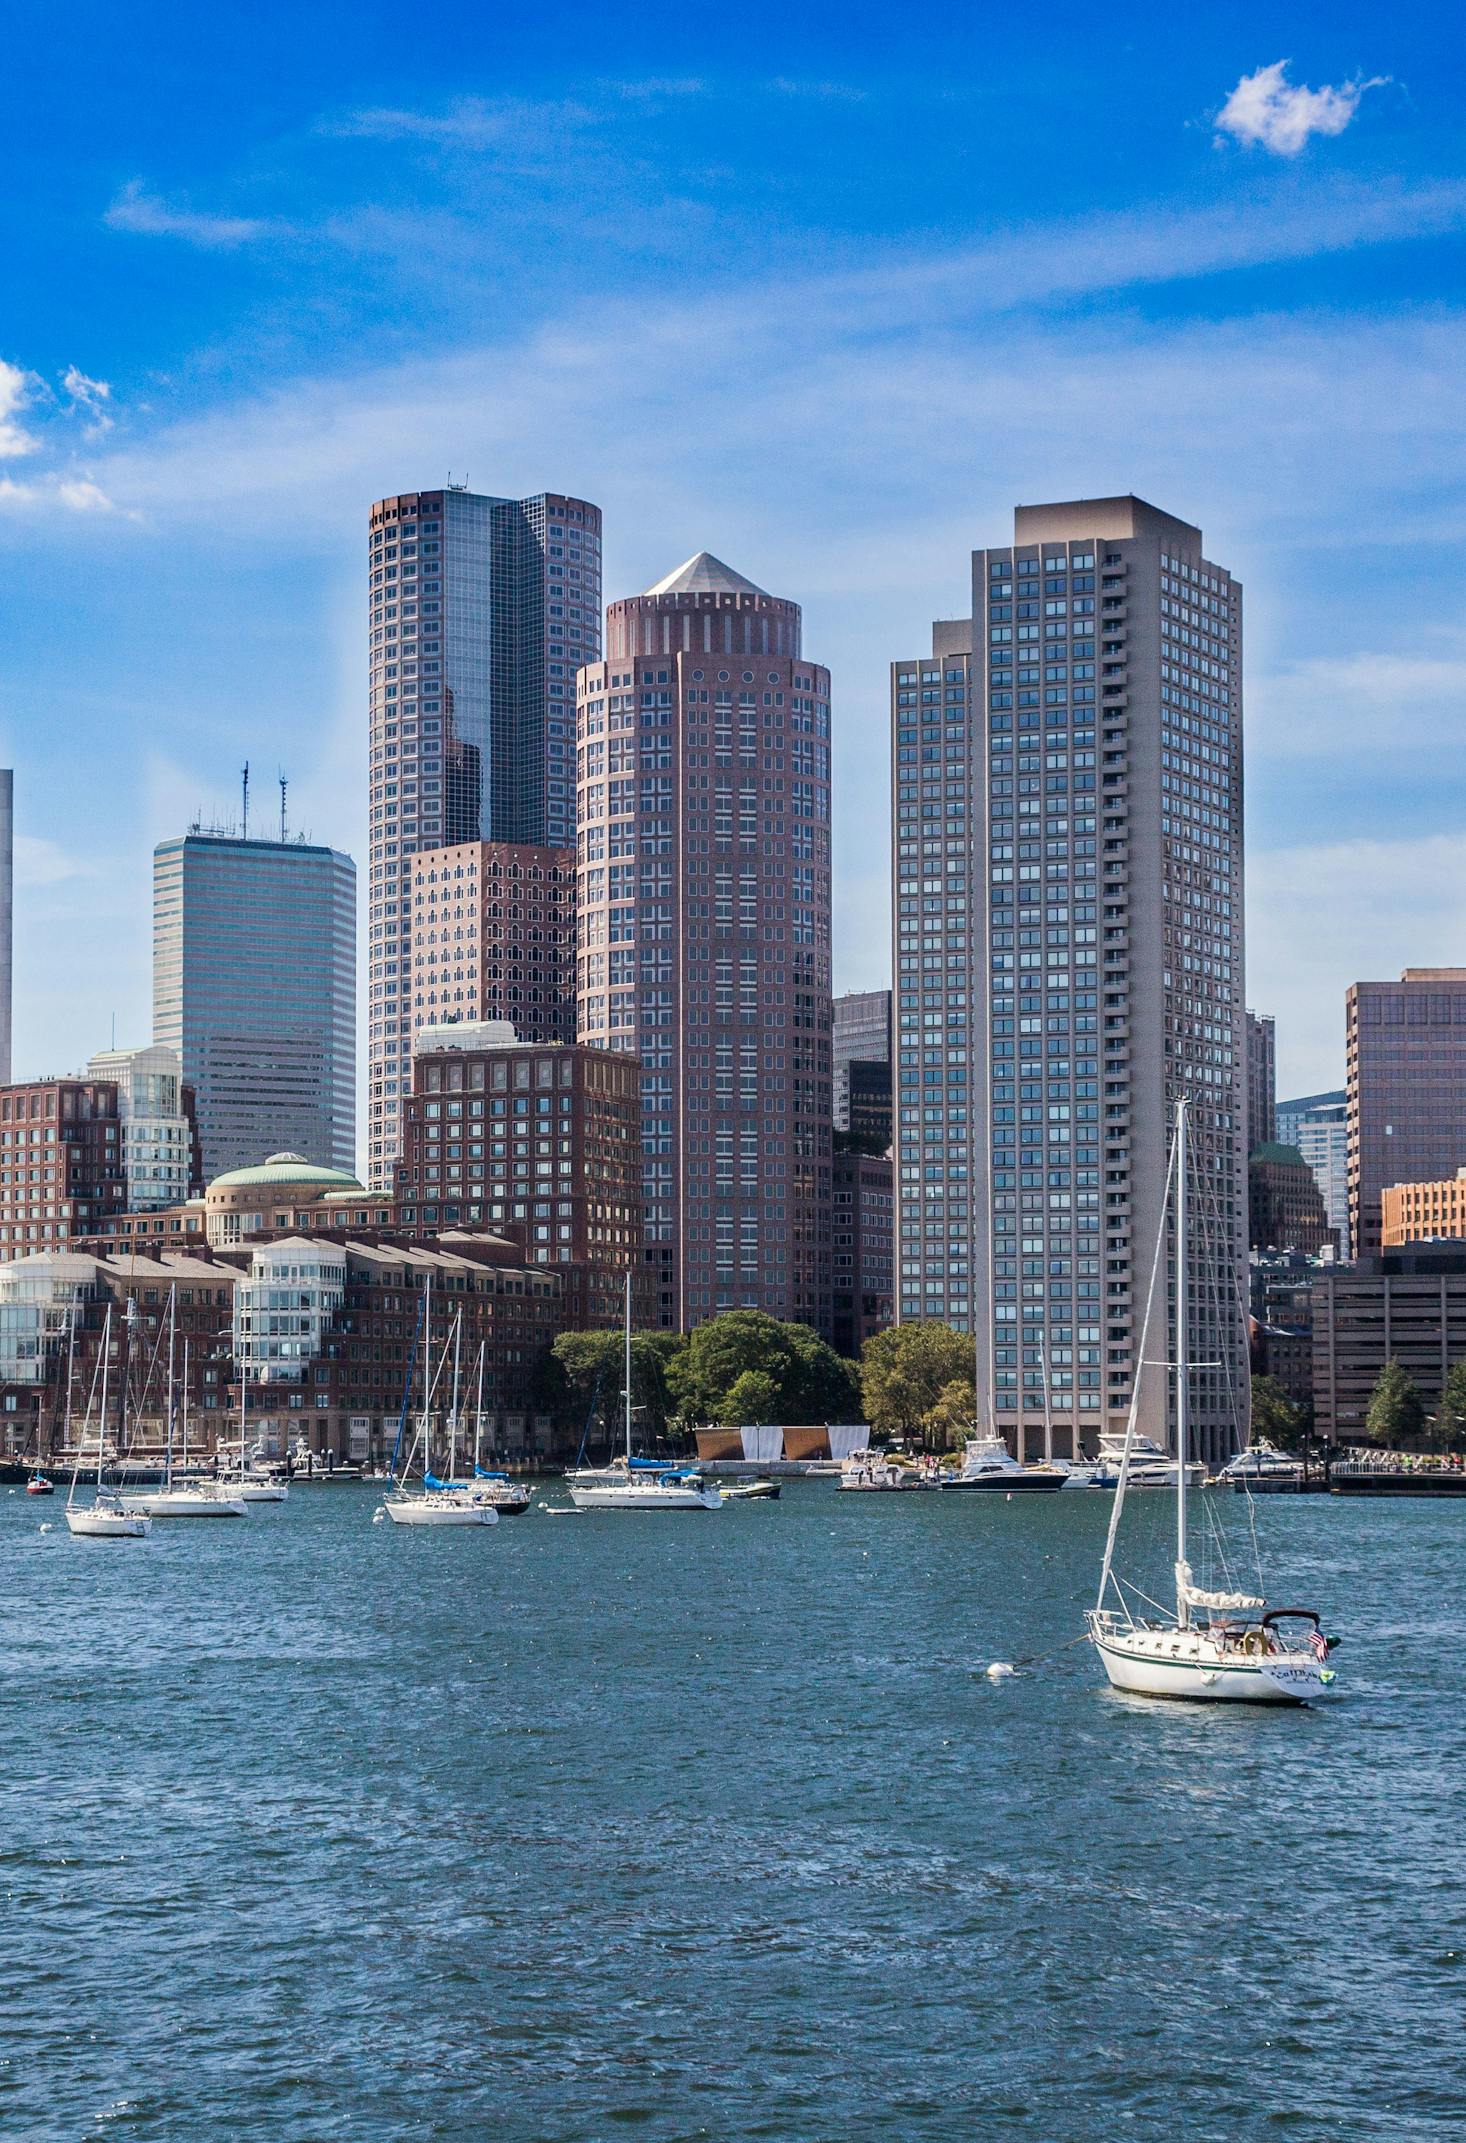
x=905 y=1371
x=1396 y=1410
x=1275 y=1418
x=950 y=1422
x=811 y=1382
x=593 y=1365
x=1450 y=1420
x=753 y=1399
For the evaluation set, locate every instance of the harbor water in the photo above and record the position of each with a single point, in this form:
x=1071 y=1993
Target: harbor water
x=714 y=1826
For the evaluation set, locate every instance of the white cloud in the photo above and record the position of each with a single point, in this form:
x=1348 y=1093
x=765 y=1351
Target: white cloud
x=1353 y=911
x=40 y=862
x=76 y=494
x=1267 y=110
x=16 y=390
x=145 y=214
x=91 y=397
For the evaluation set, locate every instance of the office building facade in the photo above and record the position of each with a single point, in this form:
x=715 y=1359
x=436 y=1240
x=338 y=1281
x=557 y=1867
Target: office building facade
x=482 y=611
x=1262 y=1080
x=1406 y=1306
x=860 y=1055
x=1318 y=1125
x=1406 y=1088
x=862 y=1245
x=493 y=937
x=1285 y=1207
x=704 y=933
x=254 y=991
x=1067 y=776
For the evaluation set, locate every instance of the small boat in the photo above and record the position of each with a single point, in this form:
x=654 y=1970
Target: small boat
x=760 y=1491
x=1261 y=1465
x=40 y=1485
x=988 y=1464
x=106 y=1517
x=258 y=1488
x=874 y=1473
x=1149 y=1465
x=640 y=1484
x=1221 y=1645
x=438 y=1502
x=180 y=1497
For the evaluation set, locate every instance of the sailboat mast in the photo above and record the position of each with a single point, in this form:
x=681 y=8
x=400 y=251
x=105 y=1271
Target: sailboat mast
x=457 y=1351
x=626 y=1395
x=478 y=1410
x=1183 y=1363
x=427 y=1366
x=102 y=1411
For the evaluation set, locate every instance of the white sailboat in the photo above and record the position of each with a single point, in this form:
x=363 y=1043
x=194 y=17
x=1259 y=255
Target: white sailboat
x=253 y=1483
x=183 y=1498
x=509 y=1498
x=640 y=1484
x=436 y=1502
x=105 y=1517
x=1220 y=1646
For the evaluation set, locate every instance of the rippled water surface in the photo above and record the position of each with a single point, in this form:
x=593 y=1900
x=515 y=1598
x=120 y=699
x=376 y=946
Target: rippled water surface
x=601 y=1825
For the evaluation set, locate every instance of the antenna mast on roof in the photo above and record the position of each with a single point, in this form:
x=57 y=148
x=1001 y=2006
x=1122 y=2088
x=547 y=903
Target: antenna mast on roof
x=245 y=835
x=282 y=808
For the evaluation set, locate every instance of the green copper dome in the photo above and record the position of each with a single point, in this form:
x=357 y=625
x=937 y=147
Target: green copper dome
x=287 y=1169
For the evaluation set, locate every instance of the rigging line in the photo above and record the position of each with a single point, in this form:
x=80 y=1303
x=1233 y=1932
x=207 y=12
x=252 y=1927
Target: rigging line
x=1156 y=1262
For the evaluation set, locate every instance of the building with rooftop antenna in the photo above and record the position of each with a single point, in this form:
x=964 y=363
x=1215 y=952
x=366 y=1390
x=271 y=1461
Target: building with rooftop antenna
x=254 y=989
x=703 y=948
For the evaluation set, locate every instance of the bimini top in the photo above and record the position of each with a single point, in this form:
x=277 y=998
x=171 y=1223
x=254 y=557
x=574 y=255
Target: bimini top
x=283 y=1168
x=705 y=575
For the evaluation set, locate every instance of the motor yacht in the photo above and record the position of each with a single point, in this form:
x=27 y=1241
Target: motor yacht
x=988 y=1464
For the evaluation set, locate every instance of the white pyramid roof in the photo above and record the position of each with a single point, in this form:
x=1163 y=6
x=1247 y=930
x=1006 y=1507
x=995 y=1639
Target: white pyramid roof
x=705 y=575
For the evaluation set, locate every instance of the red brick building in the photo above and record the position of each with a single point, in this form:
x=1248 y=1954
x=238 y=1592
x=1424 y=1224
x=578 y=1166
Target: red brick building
x=61 y=1162
x=493 y=937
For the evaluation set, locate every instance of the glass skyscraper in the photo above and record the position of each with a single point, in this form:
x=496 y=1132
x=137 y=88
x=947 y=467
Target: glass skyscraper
x=482 y=611
x=254 y=989
x=1067 y=776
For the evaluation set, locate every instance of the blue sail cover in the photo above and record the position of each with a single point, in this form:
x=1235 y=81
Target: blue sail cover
x=482 y=1473
x=430 y=1480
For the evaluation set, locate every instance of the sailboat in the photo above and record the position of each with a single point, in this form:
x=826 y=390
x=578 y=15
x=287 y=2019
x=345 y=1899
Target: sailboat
x=105 y=1517
x=509 y=1498
x=639 y=1484
x=253 y=1483
x=436 y=1502
x=1219 y=1647
x=184 y=1498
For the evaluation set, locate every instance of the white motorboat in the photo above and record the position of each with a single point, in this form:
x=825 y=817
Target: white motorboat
x=872 y=1473
x=1079 y=1472
x=258 y=1488
x=106 y=1517
x=1222 y=1645
x=640 y=1484
x=987 y=1463
x=1150 y=1466
x=1261 y=1465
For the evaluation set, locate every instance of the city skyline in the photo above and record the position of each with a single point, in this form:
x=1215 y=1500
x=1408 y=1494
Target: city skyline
x=296 y=306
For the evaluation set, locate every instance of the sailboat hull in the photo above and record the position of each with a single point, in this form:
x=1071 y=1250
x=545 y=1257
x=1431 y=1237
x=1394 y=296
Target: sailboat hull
x=424 y=1510
x=187 y=1503
x=108 y=1524
x=1190 y=1666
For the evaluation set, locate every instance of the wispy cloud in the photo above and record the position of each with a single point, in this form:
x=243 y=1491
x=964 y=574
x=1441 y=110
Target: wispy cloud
x=785 y=85
x=43 y=862
x=17 y=389
x=1365 y=705
x=92 y=398
x=147 y=215
x=73 y=494
x=501 y=122
x=1267 y=111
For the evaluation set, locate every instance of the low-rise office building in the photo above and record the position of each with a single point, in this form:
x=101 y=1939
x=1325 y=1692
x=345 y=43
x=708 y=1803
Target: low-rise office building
x=1423 y=1212
x=1407 y=1306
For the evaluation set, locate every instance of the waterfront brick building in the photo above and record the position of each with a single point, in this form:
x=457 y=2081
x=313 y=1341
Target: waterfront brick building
x=704 y=933
x=862 y=1247
x=543 y=1138
x=493 y=937
x=1406 y=1089
x=62 y=1171
x=324 y=1326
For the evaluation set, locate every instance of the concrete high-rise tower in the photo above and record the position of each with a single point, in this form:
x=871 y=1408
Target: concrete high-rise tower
x=704 y=932
x=1068 y=931
x=482 y=610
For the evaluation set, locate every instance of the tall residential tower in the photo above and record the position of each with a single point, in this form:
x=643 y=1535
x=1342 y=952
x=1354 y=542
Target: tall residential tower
x=704 y=933
x=1068 y=939
x=482 y=610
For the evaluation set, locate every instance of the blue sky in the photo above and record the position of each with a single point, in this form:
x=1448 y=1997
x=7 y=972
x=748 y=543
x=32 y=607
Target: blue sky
x=825 y=291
